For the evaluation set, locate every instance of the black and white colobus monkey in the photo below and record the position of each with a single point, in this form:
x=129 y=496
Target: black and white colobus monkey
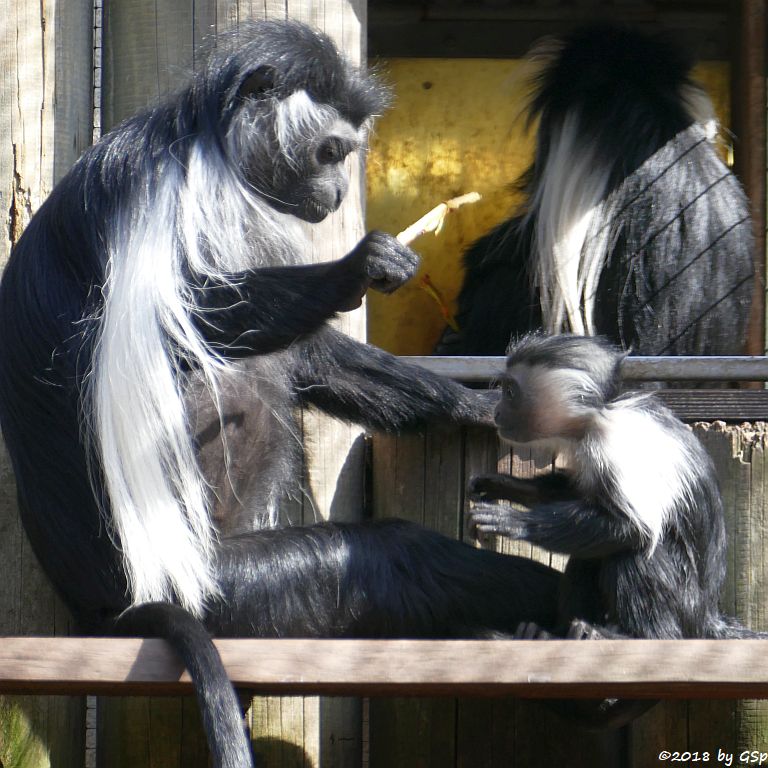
x=637 y=507
x=157 y=309
x=632 y=227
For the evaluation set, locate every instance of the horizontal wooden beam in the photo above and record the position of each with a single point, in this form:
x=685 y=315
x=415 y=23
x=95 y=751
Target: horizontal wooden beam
x=560 y=668
x=508 y=30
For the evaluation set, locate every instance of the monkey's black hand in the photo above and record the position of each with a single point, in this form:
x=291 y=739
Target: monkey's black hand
x=527 y=491
x=500 y=519
x=390 y=264
x=492 y=487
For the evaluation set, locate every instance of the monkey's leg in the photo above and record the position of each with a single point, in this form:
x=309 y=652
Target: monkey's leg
x=387 y=578
x=569 y=527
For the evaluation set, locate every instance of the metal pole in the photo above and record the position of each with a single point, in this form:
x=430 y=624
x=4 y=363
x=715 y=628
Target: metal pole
x=715 y=368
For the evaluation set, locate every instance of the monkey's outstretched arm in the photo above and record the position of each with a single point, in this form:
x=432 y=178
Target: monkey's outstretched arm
x=569 y=527
x=261 y=310
x=361 y=383
x=528 y=491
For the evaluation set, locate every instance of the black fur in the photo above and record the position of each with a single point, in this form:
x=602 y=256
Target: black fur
x=620 y=580
x=623 y=575
x=265 y=325
x=677 y=275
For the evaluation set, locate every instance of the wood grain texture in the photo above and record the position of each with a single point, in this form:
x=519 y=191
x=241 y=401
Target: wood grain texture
x=45 y=123
x=484 y=668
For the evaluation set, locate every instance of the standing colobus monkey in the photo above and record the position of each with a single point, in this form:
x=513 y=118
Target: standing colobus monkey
x=637 y=506
x=158 y=328
x=632 y=227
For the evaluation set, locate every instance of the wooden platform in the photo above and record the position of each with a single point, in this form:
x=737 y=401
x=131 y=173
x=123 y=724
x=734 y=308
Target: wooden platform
x=673 y=669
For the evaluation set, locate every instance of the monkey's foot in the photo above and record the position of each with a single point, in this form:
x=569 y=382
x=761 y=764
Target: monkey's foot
x=583 y=630
x=528 y=630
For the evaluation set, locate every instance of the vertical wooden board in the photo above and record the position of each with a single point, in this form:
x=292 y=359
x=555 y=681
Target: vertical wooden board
x=147 y=51
x=121 y=732
x=739 y=456
x=412 y=733
x=341 y=732
x=406 y=484
x=711 y=725
x=278 y=725
x=752 y=588
x=543 y=737
x=399 y=476
x=665 y=727
x=485 y=734
x=45 y=123
x=444 y=480
x=194 y=748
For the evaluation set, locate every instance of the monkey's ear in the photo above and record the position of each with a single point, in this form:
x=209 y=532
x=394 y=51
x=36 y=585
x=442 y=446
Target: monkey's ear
x=257 y=83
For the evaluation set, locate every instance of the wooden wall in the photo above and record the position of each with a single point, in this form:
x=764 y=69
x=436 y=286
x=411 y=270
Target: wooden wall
x=422 y=478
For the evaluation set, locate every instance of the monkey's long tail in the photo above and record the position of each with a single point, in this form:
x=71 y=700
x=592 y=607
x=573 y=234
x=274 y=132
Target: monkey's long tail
x=216 y=697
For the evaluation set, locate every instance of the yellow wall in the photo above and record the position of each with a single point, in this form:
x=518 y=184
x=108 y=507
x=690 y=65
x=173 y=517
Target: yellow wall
x=455 y=127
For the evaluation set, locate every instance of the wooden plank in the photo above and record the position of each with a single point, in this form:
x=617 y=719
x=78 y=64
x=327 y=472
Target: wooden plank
x=45 y=123
x=730 y=405
x=748 y=56
x=717 y=669
x=507 y=30
x=417 y=477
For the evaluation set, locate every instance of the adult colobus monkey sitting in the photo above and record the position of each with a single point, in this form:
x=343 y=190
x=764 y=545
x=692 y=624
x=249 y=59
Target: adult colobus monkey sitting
x=637 y=507
x=632 y=227
x=158 y=305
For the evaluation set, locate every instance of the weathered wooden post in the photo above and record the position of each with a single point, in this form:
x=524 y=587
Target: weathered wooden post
x=148 y=48
x=45 y=123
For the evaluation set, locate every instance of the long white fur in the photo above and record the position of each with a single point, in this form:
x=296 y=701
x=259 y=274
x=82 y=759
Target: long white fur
x=649 y=466
x=158 y=500
x=567 y=199
x=573 y=211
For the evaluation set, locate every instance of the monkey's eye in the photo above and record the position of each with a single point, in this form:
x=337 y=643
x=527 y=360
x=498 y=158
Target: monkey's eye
x=511 y=389
x=333 y=150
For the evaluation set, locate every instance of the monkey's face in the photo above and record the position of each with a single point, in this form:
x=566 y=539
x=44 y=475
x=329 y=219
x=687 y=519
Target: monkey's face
x=293 y=153
x=543 y=404
x=321 y=188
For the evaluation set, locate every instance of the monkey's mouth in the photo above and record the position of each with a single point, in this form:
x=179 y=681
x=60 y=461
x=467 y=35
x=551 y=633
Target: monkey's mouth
x=314 y=212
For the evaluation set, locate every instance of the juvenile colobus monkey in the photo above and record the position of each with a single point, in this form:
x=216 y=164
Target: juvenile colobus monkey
x=632 y=227
x=637 y=507
x=159 y=310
